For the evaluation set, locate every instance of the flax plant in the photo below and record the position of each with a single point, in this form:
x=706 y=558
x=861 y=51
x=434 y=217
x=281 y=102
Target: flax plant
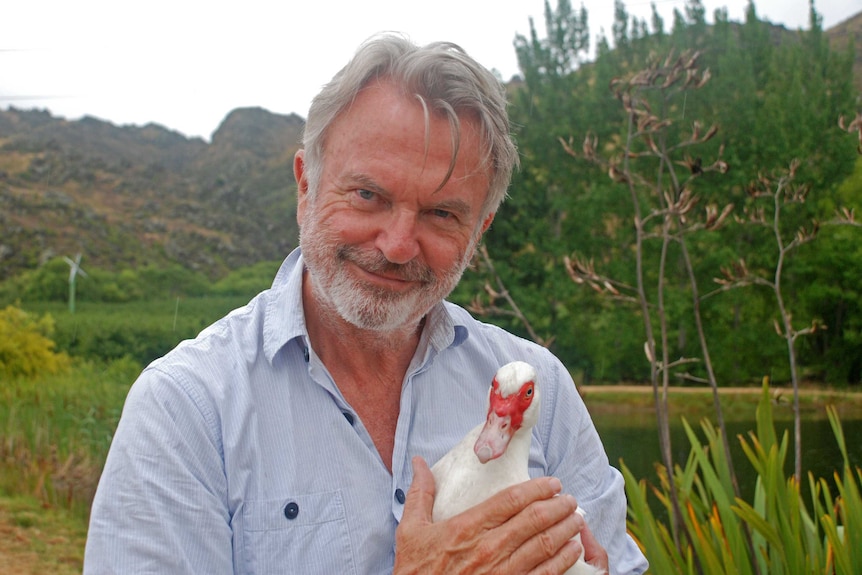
x=788 y=536
x=665 y=207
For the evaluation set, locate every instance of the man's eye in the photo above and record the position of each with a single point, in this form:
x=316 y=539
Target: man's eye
x=365 y=194
x=444 y=214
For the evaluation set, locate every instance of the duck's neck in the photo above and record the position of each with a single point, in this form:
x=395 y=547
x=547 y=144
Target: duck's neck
x=517 y=454
x=520 y=445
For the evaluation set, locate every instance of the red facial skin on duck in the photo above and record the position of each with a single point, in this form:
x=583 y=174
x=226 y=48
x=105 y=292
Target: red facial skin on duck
x=505 y=416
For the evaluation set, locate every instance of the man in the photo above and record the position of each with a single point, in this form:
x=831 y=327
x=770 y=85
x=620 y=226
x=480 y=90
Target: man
x=292 y=436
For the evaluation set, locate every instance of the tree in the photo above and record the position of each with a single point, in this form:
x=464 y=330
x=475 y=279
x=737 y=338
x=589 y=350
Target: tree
x=768 y=115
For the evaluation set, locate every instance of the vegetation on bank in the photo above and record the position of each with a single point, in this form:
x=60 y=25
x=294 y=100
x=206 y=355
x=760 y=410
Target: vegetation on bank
x=56 y=429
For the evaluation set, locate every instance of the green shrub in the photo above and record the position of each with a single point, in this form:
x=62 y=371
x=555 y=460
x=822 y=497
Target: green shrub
x=140 y=330
x=26 y=348
x=50 y=283
x=248 y=281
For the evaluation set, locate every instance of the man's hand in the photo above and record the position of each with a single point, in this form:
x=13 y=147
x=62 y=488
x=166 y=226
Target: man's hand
x=522 y=529
x=594 y=553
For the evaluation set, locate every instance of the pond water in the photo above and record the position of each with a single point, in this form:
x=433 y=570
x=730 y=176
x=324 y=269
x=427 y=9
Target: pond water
x=633 y=437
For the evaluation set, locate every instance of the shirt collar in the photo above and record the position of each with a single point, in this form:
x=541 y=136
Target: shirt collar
x=284 y=319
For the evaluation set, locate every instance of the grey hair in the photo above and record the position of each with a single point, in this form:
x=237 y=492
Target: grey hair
x=444 y=79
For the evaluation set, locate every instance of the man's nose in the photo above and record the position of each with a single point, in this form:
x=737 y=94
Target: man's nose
x=398 y=240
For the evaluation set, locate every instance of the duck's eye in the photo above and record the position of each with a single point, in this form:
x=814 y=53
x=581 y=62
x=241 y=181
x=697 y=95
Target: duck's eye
x=529 y=392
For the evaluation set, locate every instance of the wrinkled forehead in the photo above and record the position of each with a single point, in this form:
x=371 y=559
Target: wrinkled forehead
x=464 y=127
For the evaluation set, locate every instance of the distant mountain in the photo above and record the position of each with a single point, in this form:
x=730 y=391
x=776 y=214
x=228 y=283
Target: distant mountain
x=127 y=196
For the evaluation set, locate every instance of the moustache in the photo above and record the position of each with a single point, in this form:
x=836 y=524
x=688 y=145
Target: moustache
x=375 y=262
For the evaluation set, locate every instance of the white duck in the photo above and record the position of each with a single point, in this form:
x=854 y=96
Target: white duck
x=495 y=454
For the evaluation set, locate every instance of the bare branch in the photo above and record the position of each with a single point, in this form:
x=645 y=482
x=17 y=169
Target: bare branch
x=854 y=126
x=583 y=272
x=513 y=310
x=845 y=217
x=682 y=361
x=689 y=377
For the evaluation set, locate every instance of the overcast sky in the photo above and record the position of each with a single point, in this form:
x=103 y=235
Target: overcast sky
x=185 y=64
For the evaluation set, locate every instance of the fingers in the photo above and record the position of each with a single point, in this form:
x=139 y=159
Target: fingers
x=420 y=497
x=594 y=553
x=554 y=548
x=563 y=560
x=506 y=504
x=526 y=525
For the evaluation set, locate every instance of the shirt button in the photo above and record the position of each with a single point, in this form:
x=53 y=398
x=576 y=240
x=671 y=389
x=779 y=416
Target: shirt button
x=291 y=510
x=349 y=417
x=305 y=354
x=399 y=496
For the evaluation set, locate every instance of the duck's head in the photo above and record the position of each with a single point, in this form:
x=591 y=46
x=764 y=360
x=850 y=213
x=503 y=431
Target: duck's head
x=513 y=405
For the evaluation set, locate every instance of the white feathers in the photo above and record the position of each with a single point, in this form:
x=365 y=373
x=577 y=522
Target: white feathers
x=462 y=481
x=513 y=375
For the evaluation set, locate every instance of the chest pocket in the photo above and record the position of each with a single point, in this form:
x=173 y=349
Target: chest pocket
x=298 y=534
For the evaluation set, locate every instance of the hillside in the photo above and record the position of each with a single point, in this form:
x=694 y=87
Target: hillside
x=128 y=196
x=843 y=33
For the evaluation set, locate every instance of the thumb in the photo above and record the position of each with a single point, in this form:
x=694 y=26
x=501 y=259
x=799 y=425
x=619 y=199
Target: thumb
x=420 y=497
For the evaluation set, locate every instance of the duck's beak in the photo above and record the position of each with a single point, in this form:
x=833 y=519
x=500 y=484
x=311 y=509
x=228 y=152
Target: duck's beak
x=494 y=437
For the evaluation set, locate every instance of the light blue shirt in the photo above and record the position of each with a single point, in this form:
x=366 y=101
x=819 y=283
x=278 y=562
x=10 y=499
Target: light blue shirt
x=236 y=452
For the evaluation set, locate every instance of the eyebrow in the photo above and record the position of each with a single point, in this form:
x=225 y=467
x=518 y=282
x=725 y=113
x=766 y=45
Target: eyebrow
x=360 y=180
x=455 y=206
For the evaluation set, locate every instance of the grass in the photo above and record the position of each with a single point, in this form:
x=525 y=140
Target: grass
x=54 y=435
x=55 y=431
x=37 y=540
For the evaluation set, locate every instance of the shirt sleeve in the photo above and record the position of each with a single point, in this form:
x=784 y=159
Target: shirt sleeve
x=161 y=505
x=575 y=454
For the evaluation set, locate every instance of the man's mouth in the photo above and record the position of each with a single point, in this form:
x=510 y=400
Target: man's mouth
x=380 y=271
x=386 y=280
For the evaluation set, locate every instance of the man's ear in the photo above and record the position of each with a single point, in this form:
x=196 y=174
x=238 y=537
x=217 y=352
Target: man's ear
x=301 y=177
x=487 y=223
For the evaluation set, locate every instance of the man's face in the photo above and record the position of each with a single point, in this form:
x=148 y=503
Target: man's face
x=381 y=243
